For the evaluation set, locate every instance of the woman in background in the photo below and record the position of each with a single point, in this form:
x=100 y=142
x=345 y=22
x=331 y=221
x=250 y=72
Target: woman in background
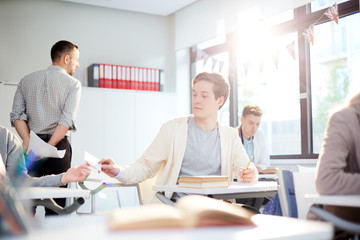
x=338 y=168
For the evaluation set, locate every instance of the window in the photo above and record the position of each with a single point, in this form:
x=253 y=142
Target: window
x=296 y=94
x=335 y=58
x=219 y=63
x=322 y=4
x=263 y=83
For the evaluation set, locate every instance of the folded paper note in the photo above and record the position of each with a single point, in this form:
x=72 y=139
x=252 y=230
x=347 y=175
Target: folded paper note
x=92 y=160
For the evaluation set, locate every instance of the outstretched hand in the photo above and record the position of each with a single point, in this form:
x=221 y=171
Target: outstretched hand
x=109 y=167
x=76 y=174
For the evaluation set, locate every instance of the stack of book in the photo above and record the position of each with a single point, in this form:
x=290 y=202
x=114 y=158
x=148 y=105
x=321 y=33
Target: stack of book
x=210 y=181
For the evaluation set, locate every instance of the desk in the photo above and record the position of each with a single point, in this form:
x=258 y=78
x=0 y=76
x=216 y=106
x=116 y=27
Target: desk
x=337 y=200
x=95 y=227
x=52 y=192
x=102 y=183
x=43 y=196
x=235 y=190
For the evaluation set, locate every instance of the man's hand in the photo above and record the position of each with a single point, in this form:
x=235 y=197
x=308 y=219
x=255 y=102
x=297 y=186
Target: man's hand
x=248 y=175
x=76 y=174
x=109 y=167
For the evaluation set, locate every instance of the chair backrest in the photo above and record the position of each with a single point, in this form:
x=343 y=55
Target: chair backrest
x=287 y=193
x=301 y=168
x=145 y=192
x=304 y=183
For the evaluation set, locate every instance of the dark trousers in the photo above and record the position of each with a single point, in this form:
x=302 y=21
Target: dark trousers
x=47 y=166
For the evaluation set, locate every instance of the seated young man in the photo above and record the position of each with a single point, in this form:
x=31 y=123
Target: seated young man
x=13 y=157
x=196 y=144
x=253 y=139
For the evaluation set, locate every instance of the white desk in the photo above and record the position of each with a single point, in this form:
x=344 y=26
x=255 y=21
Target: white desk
x=52 y=192
x=235 y=190
x=102 y=183
x=337 y=200
x=42 y=196
x=95 y=227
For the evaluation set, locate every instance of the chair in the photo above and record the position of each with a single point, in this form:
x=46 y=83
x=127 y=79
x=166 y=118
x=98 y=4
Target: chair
x=301 y=168
x=145 y=192
x=301 y=184
x=304 y=183
x=286 y=193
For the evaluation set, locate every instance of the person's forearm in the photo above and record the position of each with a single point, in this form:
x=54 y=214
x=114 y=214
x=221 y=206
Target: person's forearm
x=23 y=130
x=58 y=134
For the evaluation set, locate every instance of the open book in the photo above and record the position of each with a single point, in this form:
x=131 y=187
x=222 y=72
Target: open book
x=189 y=211
x=210 y=181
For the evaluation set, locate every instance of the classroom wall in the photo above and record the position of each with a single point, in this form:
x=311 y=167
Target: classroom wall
x=29 y=28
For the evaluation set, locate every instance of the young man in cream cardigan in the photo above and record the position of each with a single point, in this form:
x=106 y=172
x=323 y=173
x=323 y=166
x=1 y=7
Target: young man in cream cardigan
x=192 y=145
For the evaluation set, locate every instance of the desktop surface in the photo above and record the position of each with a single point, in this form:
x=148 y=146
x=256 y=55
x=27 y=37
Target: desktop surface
x=95 y=227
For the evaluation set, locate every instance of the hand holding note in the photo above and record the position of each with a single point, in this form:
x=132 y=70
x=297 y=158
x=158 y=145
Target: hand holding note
x=109 y=167
x=93 y=161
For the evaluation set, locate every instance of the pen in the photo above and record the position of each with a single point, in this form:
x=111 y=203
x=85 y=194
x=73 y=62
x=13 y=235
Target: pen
x=247 y=166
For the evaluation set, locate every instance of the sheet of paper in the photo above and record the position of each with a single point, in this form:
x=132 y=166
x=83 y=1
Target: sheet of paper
x=40 y=148
x=92 y=160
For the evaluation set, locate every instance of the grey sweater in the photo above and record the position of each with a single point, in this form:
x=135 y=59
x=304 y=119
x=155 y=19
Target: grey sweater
x=14 y=161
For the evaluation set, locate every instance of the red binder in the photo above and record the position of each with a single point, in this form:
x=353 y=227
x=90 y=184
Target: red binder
x=157 y=80
x=118 y=77
x=128 y=78
x=101 y=75
x=114 y=76
x=132 y=78
x=136 y=78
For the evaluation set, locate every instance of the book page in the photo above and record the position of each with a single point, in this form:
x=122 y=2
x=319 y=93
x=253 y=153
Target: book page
x=189 y=211
x=146 y=217
x=207 y=211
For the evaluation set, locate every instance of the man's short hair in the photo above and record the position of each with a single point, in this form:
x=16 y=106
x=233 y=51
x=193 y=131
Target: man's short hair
x=252 y=109
x=221 y=87
x=60 y=48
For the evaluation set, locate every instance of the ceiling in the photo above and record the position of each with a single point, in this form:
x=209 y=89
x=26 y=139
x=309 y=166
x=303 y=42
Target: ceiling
x=157 y=7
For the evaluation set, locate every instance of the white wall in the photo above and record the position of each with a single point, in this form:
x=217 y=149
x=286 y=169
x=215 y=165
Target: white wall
x=29 y=28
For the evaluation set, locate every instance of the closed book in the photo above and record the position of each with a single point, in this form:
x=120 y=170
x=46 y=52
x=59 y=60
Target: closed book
x=209 y=181
x=189 y=212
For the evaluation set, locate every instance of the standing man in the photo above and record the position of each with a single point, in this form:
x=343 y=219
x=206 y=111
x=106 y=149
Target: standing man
x=46 y=102
x=192 y=145
x=253 y=137
x=254 y=143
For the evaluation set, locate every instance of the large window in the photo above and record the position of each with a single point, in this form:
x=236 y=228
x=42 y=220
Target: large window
x=335 y=61
x=262 y=82
x=295 y=83
x=217 y=62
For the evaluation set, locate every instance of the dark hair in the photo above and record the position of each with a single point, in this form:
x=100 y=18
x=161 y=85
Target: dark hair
x=221 y=87
x=60 y=48
x=252 y=109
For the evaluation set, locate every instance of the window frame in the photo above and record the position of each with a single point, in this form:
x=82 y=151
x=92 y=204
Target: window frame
x=303 y=18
